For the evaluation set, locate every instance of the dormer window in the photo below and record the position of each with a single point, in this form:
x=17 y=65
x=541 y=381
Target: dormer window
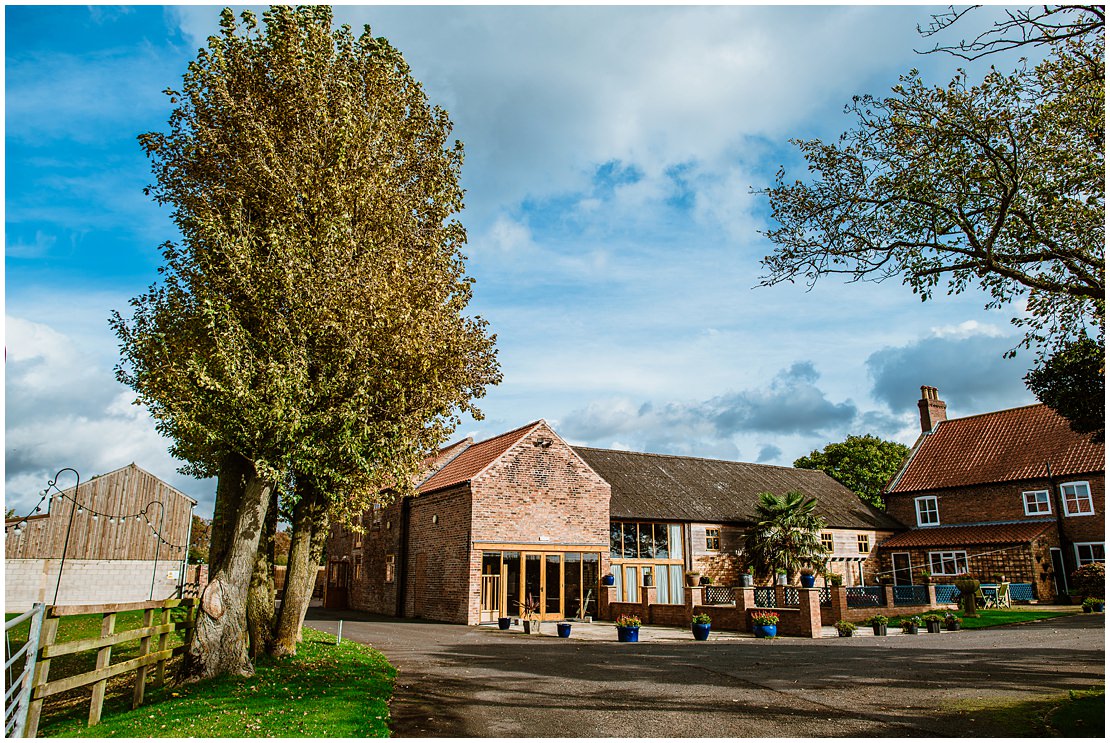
x=1037 y=503
x=928 y=512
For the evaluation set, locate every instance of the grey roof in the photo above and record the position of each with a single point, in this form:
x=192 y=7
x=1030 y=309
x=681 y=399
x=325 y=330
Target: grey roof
x=661 y=486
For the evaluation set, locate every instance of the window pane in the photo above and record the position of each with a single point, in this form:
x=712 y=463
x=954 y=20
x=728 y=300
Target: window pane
x=572 y=583
x=617 y=574
x=646 y=551
x=663 y=595
x=615 y=539
x=677 y=583
x=629 y=540
x=660 y=532
x=591 y=577
x=676 y=542
x=631 y=585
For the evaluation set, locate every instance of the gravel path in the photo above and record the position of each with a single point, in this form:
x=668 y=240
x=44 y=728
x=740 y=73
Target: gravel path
x=461 y=681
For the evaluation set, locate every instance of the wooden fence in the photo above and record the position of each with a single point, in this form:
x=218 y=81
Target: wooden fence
x=49 y=649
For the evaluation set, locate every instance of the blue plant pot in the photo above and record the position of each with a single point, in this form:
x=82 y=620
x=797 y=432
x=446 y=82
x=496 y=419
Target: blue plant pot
x=1099 y=608
x=504 y=622
x=563 y=628
x=808 y=581
x=628 y=634
x=701 y=631
x=766 y=630
x=608 y=579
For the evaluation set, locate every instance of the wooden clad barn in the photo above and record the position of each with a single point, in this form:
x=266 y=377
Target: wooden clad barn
x=117 y=518
x=128 y=537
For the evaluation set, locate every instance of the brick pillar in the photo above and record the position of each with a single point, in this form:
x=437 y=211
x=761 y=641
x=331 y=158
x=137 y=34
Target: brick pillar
x=780 y=596
x=647 y=598
x=608 y=598
x=888 y=595
x=839 y=598
x=695 y=596
x=932 y=596
x=745 y=599
x=809 y=602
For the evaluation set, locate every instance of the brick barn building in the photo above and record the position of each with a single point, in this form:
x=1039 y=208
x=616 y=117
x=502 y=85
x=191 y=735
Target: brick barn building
x=1012 y=493
x=525 y=514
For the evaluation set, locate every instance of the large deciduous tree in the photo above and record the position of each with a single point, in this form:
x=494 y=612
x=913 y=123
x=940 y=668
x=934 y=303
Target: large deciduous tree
x=1073 y=383
x=863 y=464
x=311 y=320
x=997 y=184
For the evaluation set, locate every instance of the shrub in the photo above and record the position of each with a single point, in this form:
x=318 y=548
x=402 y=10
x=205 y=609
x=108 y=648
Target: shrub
x=910 y=622
x=628 y=620
x=878 y=619
x=933 y=618
x=1091 y=602
x=1089 y=580
x=845 y=626
x=701 y=619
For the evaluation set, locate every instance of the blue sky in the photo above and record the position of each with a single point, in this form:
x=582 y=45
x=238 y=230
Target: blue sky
x=610 y=158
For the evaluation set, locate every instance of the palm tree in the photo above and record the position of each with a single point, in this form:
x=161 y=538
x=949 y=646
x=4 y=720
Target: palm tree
x=786 y=535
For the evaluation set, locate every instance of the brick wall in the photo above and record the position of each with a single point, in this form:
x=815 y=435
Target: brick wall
x=87 y=581
x=1004 y=502
x=441 y=573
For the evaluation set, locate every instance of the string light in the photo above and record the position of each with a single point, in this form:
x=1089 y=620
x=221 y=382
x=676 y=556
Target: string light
x=114 y=519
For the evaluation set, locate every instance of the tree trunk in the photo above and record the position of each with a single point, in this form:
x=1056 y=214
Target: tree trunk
x=310 y=530
x=260 y=593
x=218 y=645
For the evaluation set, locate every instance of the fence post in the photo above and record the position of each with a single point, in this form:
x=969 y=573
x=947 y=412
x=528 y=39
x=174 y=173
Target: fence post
x=42 y=672
x=838 y=597
x=144 y=648
x=809 y=610
x=695 y=596
x=932 y=596
x=888 y=594
x=780 y=596
x=647 y=598
x=103 y=660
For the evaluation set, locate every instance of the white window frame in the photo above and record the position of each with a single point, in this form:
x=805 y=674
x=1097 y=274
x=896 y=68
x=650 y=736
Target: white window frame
x=1090 y=500
x=1047 y=502
x=1081 y=561
x=958 y=558
x=919 y=501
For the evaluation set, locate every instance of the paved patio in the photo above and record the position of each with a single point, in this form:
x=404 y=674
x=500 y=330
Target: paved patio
x=458 y=681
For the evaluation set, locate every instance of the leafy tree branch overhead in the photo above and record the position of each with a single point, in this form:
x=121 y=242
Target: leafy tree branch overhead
x=996 y=184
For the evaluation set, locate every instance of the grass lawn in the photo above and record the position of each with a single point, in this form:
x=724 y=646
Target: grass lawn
x=325 y=691
x=1077 y=714
x=993 y=617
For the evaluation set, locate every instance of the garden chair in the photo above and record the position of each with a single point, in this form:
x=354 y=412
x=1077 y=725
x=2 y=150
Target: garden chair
x=1003 y=596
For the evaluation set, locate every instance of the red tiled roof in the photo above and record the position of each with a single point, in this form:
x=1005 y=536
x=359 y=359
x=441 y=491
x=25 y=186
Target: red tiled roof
x=955 y=536
x=474 y=459
x=1000 y=447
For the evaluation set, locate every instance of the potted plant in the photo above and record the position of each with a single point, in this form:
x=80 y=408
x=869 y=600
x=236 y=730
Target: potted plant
x=608 y=579
x=808 y=577
x=765 y=623
x=530 y=615
x=834 y=579
x=844 y=628
x=781 y=579
x=878 y=624
x=747 y=578
x=628 y=628
x=693 y=578
x=968 y=587
x=699 y=625
x=504 y=622
x=1092 y=604
x=707 y=580
x=885 y=580
x=924 y=576
x=563 y=628
x=909 y=625
x=951 y=622
x=932 y=623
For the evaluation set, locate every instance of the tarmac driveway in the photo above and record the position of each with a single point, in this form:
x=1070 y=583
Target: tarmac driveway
x=456 y=681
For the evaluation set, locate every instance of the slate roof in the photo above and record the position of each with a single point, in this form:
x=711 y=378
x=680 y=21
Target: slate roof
x=660 y=486
x=999 y=447
x=473 y=459
x=957 y=536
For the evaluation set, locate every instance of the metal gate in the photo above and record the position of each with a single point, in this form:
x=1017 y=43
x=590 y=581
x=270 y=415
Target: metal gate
x=17 y=696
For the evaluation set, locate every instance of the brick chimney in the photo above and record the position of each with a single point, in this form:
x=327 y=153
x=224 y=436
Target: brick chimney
x=933 y=409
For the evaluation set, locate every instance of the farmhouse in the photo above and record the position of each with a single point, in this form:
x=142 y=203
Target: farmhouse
x=1014 y=494
x=525 y=515
x=123 y=536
